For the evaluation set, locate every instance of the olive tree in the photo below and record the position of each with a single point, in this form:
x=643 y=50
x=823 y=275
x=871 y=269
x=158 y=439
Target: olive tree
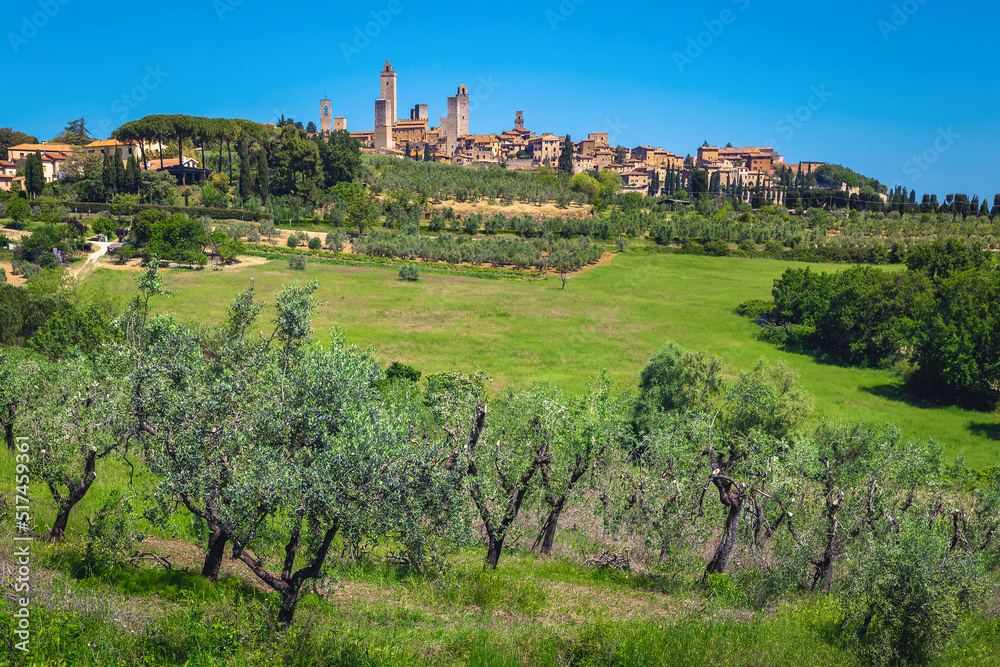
x=76 y=420
x=280 y=446
x=499 y=454
x=193 y=409
x=19 y=373
x=593 y=424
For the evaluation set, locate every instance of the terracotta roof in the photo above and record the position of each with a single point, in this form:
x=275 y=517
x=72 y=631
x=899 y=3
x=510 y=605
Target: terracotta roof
x=104 y=143
x=61 y=148
x=154 y=163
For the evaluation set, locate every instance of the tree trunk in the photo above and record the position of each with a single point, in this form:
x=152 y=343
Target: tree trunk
x=180 y=156
x=548 y=534
x=725 y=548
x=289 y=601
x=76 y=493
x=493 y=555
x=664 y=550
x=229 y=150
x=58 y=532
x=214 y=554
x=8 y=428
x=824 y=570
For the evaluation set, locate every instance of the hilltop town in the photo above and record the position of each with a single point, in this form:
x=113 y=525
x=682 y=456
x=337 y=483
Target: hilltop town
x=643 y=169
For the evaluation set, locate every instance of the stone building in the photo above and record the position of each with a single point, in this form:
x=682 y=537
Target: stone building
x=389 y=92
x=325 y=120
x=383 y=126
x=458 y=118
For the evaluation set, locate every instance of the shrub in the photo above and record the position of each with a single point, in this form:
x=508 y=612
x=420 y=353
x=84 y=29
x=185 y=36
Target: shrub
x=409 y=272
x=3 y=275
x=293 y=240
x=315 y=243
x=907 y=599
x=754 y=308
x=398 y=371
x=297 y=263
x=717 y=248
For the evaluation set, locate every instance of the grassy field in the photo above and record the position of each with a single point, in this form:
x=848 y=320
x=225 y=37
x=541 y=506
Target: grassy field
x=612 y=317
x=532 y=611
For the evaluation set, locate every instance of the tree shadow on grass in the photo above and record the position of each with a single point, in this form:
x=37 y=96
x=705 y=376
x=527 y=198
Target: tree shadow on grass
x=986 y=430
x=899 y=393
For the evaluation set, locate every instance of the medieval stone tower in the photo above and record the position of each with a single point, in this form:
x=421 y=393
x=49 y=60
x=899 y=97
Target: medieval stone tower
x=383 y=126
x=389 y=91
x=325 y=120
x=458 y=118
x=519 y=121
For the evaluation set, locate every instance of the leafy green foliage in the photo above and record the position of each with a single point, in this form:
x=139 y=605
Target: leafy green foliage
x=908 y=600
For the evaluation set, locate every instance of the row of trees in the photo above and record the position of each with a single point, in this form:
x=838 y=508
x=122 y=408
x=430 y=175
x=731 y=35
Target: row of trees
x=280 y=447
x=568 y=255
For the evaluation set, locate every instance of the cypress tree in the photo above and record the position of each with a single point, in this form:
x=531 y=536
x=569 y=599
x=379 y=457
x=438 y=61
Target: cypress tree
x=107 y=177
x=984 y=210
x=566 y=158
x=996 y=206
x=119 y=171
x=245 y=190
x=34 y=175
x=263 y=177
x=133 y=176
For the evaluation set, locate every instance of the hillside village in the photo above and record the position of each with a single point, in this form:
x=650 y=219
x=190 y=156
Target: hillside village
x=735 y=171
x=643 y=169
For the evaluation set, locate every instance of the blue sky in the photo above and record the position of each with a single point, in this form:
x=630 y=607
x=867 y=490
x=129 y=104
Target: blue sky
x=906 y=92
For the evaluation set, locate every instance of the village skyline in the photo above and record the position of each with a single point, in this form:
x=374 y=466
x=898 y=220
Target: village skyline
x=734 y=72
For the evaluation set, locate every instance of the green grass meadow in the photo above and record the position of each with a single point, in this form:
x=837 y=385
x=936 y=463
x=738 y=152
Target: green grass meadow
x=613 y=316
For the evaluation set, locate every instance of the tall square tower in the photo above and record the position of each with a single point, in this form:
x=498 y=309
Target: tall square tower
x=325 y=120
x=389 y=91
x=458 y=118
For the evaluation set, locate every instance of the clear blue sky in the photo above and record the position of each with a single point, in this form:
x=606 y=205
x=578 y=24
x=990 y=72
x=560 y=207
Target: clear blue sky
x=887 y=82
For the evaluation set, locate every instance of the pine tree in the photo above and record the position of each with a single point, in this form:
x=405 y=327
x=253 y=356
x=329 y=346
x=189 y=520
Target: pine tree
x=263 y=177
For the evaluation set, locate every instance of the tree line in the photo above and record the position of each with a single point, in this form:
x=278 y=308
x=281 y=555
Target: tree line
x=940 y=316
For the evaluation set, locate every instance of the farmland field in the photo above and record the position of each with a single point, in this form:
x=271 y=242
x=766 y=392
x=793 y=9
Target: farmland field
x=612 y=316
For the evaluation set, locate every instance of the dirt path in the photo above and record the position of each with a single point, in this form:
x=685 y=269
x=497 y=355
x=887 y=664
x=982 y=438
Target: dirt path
x=83 y=270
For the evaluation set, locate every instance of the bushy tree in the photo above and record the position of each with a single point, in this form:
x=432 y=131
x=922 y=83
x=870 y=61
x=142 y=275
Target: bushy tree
x=76 y=421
